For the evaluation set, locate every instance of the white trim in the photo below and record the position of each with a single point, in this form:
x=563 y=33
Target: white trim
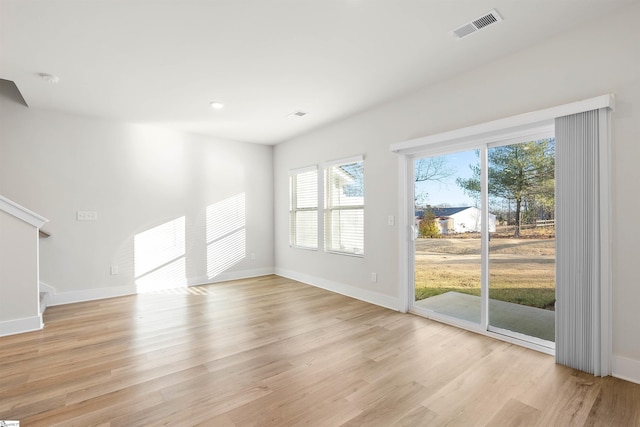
x=531 y=132
x=407 y=220
x=347 y=160
x=22 y=213
x=606 y=321
x=376 y=298
x=543 y=132
x=484 y=238
x=231 y=275
x=337 y=252
x=19 y=326
x=304 y=248
x=303 y=170
x=70 y=297
x=520 y=124
x=625 y=369
x=550 y=346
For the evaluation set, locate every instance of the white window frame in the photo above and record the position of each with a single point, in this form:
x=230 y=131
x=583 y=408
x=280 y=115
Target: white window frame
x=294 y=209
x=329 y=209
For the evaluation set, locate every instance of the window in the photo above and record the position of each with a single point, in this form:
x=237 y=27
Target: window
x=344 y=207
x=303 y=208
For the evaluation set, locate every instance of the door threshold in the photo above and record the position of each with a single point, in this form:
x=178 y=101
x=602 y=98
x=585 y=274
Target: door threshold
x=532 y=343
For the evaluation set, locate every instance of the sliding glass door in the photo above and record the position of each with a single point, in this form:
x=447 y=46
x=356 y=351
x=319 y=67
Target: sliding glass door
x=484 y=239
x=521 y=190
x=447 y=246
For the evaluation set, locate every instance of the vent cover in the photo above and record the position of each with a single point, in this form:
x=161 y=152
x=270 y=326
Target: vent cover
x=298 y=113
x=477 y=24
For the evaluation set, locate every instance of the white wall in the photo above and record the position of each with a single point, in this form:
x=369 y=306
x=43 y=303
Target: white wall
x=345 y=274
x=135 y=177
x=19 y=308
x=595 y=59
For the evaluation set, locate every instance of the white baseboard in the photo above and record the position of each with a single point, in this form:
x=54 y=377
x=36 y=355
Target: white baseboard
x=625 y=369
x=18 y=326
x=341 y=288
x=70 y=297
x=231 y=275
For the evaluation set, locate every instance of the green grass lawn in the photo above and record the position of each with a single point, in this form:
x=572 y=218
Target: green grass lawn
x=521 y=271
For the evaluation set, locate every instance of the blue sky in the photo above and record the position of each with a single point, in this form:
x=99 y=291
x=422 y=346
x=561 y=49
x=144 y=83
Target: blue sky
x=448 y=191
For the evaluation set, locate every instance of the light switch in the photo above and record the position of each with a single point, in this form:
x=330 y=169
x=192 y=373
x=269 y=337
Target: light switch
x=87 y=215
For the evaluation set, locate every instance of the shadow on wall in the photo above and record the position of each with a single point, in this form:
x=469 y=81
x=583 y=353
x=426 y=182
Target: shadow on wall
x=160 y=253
x=226 y=234
x=160 y=257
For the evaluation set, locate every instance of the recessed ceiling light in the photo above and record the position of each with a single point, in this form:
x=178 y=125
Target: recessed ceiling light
x=49 y=78
x=216 y=105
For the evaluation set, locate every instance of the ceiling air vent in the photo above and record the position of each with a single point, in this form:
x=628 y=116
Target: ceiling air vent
x=298 y=113
x=477 y=24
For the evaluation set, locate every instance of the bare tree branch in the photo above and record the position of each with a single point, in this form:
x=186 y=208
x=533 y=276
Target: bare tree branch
x=432 y=169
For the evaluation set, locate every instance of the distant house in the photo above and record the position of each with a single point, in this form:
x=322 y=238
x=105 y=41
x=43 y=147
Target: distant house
x=458 y=220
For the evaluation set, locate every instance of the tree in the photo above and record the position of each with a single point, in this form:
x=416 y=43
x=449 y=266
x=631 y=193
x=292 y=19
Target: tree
x=518 y=172
x=430 y=169
x=428 y=227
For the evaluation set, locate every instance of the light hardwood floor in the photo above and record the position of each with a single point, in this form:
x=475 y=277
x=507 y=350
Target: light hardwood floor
x=274 y=352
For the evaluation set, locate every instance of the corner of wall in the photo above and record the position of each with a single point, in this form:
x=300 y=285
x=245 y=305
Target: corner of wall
x=376 y=298
x=625 y=369
x=19 y=326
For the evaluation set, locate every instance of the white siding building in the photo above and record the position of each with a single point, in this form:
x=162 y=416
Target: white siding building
x=461 y=220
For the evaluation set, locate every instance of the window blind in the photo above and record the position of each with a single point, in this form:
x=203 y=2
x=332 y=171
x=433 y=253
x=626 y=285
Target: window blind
x=344 y=207
x=581 y=273
x=303 y=208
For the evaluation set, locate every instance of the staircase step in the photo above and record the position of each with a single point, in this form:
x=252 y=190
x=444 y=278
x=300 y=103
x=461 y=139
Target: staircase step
x=43 y=301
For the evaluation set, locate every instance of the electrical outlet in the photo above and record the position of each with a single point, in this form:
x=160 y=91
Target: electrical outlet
x=391 y=220
x=374 y=277
x=114 y=270
x=87 y=215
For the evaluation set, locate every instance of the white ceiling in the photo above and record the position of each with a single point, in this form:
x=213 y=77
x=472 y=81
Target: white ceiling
x=161 y=62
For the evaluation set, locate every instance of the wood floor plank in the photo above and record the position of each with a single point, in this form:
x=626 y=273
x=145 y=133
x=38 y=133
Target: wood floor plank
x=613 y=393
x=515 y=414
x=420 y=416
x=270 y=351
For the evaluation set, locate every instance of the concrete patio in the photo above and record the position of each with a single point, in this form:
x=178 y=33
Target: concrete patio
x=531 y=321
